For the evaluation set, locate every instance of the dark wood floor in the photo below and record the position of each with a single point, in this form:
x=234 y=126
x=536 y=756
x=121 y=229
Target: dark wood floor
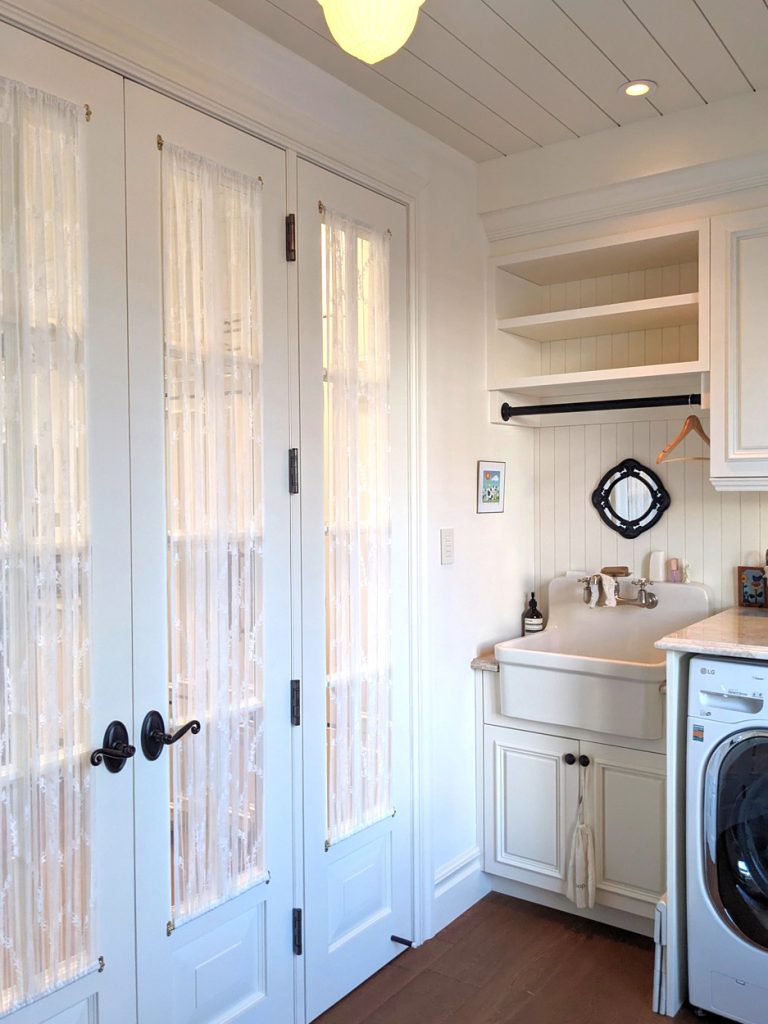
x=510 y=962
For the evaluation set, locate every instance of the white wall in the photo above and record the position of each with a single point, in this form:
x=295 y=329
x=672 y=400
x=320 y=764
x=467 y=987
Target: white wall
x=192 y=49
x=478 y=600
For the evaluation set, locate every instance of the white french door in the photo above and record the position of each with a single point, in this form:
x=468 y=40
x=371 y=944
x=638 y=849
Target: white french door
x=355 y=593
x=66 y=824
x=145 y=564
x=211 y=567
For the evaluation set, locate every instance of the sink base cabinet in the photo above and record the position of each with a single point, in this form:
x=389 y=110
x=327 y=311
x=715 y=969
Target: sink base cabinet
x=532 y=803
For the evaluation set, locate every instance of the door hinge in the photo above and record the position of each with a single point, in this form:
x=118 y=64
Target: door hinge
x=298 y=946
x=290 y=238
x=295 y=702
x=293 y=470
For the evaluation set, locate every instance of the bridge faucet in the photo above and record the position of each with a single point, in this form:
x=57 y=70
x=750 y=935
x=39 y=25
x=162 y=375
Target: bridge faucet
x=645 y=598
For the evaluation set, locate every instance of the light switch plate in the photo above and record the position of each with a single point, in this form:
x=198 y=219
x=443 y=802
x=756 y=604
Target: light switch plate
x=446 y=547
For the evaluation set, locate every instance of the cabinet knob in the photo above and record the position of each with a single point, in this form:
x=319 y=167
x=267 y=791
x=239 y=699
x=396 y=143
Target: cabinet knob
x=569 y=758
x=584 y=761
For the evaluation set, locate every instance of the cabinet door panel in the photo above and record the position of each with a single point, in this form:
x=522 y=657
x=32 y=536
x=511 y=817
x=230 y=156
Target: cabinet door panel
x=528 y=821
x=739 y=306
x=625 y=805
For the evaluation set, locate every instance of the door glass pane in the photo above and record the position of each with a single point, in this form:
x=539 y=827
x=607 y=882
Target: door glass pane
x=742 y=837
x=212 y=314
x=355 y=271
x=45 y=869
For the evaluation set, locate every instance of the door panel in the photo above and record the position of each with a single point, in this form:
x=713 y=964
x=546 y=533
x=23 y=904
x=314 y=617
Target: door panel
x=529 y=825
x=355 y=673
x=626 y=806
x=739 y=361
x=97 y=897
x=211 y=566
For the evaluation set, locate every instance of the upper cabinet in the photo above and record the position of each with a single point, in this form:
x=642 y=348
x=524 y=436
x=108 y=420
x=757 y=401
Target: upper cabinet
x=603 y=317
x=739 y=323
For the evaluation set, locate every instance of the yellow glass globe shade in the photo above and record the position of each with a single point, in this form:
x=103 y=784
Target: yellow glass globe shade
x=371 y=29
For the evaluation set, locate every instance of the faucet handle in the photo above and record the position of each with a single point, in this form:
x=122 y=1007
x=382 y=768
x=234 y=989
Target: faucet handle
x=642 y=583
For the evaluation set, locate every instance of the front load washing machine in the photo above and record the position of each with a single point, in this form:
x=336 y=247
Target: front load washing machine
x=727 y=837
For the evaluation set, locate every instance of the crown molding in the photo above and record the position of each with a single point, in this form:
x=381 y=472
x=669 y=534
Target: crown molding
x=140 y=46
x=739 y=483
x=655 y=192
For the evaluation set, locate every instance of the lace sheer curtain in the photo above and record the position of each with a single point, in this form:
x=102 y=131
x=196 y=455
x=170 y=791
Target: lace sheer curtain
x=358 y=528
x=45 y=869
x=212 y=296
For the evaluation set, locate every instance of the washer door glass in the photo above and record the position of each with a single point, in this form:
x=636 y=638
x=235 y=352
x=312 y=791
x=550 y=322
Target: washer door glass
x=740 y=834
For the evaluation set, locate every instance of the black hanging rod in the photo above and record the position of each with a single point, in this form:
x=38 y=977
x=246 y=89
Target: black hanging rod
x=508 y=411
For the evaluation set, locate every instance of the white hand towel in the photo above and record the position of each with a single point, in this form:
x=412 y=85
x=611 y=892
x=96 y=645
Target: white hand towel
x=581 y=863
x=581 y=871
x=594 y=591
x=610 y=586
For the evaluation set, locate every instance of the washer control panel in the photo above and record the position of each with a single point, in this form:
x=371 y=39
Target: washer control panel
x=727 y=689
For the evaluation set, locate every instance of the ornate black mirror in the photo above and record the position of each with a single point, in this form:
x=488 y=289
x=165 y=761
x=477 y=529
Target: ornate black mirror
x=630 y=498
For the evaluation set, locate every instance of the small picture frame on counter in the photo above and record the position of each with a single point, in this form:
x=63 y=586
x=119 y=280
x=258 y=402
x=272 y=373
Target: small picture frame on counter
x=752 y=586
x=490 y=486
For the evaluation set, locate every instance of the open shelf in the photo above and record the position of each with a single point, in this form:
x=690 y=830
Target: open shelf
x=604 y=256
x=623 y=315
x=636 y=315
x=668 y=378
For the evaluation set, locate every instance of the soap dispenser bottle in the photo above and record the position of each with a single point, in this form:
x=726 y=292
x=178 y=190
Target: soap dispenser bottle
x=533 y=622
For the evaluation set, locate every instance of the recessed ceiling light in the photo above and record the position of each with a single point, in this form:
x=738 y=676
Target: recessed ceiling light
x=638 y=87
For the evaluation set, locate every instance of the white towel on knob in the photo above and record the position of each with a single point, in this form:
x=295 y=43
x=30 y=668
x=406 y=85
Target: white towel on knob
x=581 y=863
x=610 y=586
x=581 y=867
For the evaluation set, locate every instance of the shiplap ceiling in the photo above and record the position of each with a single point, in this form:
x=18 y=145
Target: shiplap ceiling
x=494 y=77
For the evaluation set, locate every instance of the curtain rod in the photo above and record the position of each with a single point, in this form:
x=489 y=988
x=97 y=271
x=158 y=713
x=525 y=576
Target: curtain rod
x=508 y=411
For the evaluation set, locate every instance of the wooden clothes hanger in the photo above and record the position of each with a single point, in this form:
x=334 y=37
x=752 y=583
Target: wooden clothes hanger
x=692 y=425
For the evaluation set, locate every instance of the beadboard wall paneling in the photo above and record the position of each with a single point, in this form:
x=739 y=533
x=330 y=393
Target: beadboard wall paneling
x=714 y=532
x=651 y=283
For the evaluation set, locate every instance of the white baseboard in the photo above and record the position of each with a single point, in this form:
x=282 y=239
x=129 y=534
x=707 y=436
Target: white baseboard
x=461 y=882
x=544 y=898
x=458 y=885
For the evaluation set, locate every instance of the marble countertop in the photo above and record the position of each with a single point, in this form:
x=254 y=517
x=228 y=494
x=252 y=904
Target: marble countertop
x=485 y=662
x=734 y=633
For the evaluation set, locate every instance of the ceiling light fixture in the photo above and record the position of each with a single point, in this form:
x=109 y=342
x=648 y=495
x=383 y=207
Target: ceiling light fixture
x=371 y=29
x=638 y=87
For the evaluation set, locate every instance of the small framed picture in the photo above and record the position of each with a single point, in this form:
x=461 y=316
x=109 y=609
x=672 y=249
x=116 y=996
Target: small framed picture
x=490 y=486
x=752 y=586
